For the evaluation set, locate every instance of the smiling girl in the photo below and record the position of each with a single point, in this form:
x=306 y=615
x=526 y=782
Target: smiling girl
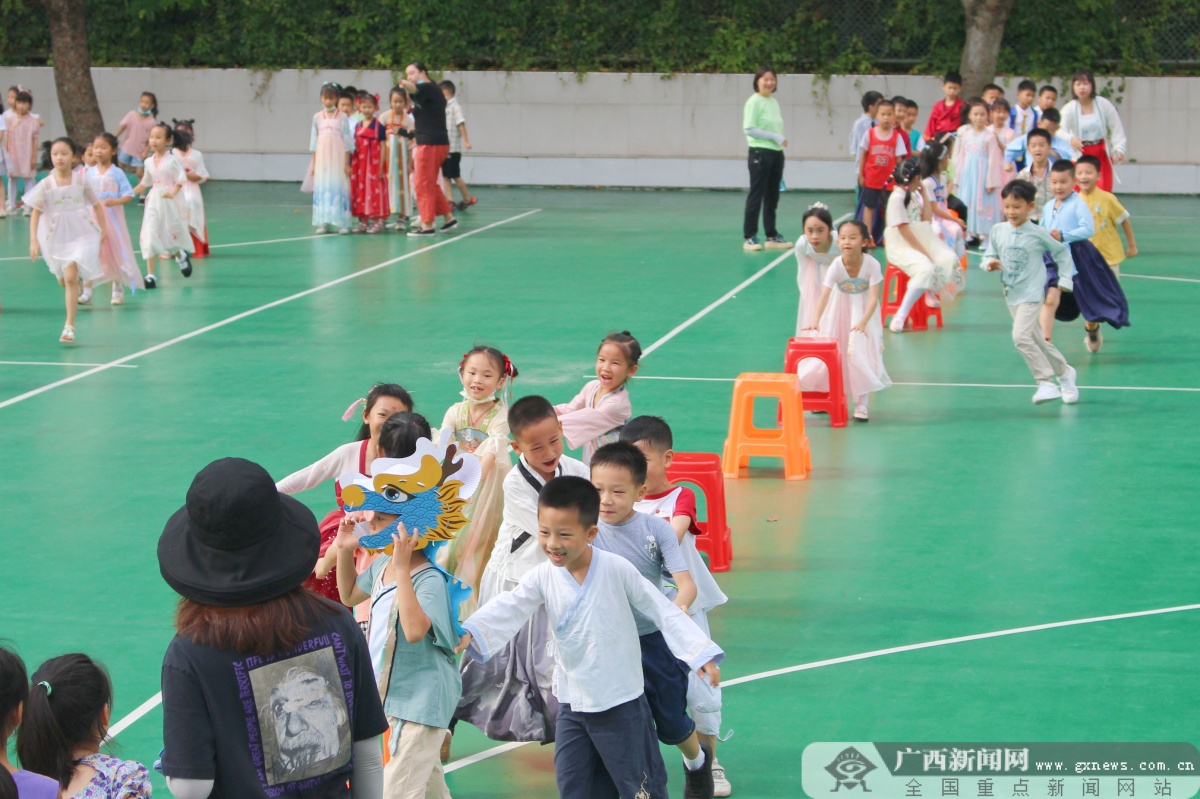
x=479 y=424
x=597 y=413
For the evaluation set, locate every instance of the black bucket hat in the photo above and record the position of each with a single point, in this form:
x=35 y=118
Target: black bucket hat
x=237 y=541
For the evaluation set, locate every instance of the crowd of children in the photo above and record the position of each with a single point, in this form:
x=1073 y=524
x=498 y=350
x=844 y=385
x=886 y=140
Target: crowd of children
x=983 y=174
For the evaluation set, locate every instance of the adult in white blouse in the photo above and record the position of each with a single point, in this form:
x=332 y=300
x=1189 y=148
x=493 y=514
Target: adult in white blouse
x=1094 y=127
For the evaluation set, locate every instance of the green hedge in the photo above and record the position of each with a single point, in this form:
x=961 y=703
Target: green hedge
x=1132 y=37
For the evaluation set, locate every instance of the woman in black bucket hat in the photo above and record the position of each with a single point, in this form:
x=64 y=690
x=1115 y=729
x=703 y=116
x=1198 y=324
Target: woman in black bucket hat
x=267 y=687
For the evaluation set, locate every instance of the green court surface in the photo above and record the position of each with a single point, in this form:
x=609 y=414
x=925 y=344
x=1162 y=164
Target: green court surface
x=960 y=509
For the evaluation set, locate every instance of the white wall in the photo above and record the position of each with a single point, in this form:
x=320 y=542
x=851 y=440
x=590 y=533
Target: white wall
x=603 y=129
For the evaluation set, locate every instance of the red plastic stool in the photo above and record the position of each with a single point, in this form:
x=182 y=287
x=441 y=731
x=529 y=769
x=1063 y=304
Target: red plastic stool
x=895 y=286
x=703 y=470
x=827 y=351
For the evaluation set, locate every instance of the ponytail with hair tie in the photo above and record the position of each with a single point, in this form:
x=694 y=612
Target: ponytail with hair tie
x=350 y=412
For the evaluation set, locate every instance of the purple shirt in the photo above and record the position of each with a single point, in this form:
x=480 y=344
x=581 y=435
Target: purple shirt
x=35 y=786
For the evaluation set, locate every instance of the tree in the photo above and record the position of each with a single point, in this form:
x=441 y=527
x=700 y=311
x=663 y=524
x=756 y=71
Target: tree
x=985 y=21
x=73 y=68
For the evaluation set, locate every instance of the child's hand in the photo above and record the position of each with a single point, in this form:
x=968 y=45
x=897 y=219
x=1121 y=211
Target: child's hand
x=1056 y=235
x=861 y=327
x=1118 y=157
x=682 y=606
x=711 y=673
x=403 y=545
x=463 y=643
x=1131 y=251
x=349 y=171
x=1009 y=167
x=962 y=223
x=993 y=265
x=814 y=329
x=34 y=251
x=467 y=144
x=346 y=538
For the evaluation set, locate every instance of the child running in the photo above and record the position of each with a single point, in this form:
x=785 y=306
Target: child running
x=14 y=693
x=67 y=229
x=594 y=417
x=114 y=192
x=849 y=305
x=677 y=505
x=192 y=161
x=368 y=180
x=331 y=143
x=479 y=424
x=814 y=254
x=1017 y=251
x=605 y=745
x=619 y=474
x=66 y=719
x=1107 y=213
x=913 y=246
x=164 y=235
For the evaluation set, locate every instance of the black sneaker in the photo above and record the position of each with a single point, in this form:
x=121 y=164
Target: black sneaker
x=974 y=243
x=185 y=263
x=151 y=283
x=453 y=223
x=698 y=784
x=420 y=232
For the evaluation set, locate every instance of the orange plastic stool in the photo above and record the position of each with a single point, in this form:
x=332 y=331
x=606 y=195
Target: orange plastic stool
x=826 y=350
x=788 y=441
x=703 y=470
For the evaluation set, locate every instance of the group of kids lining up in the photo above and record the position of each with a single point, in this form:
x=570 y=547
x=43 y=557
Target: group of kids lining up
x=1002 y=175
x=77 y=213
x=588 y=627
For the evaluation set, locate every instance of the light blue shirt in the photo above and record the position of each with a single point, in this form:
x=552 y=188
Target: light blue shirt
x=861 y=126
x=1073 y=218
x=1015 y=151
x=1021 y=252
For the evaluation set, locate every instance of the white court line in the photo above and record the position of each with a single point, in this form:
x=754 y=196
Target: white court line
x=1159 y=277
x=237 y=317
x=842 y=218
x=57 y=363
x=139 y=711
x=951 y=385
x=716 y=303
x=484 y=755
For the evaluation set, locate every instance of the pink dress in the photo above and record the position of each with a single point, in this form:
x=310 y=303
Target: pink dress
x=979 y=176
x=67 y=231
x=193 y=163
x=164 y=224
x=20 y=144
x=116 y=253
x=591 y=425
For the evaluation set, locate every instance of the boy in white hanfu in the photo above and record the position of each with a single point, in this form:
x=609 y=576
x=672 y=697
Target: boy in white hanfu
x=605 y=739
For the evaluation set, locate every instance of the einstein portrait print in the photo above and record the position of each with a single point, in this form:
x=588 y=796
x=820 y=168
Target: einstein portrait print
x=299 y=714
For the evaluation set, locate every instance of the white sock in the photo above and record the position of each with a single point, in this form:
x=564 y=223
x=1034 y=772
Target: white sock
x=910 y=299
x=693 y=765
x=864 y=400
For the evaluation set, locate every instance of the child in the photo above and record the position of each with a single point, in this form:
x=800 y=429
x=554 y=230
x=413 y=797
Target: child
x=949 y=226
x=1094 y=127
x=331 y=143
x=604 y=740
x=999 y=115
x=1017 y=249
x=853 y=309
x=1038 y=170
x=136 y=126
x=114 y=192
x=21 y=147
x=594 y=417
x=1097 y=295
x=1060 y=147
x=164 y=233
x=977 y=159
x=1107 y=213
x=192 y=161
x=1047 y=98
x=67 y=229
x=913 y=246
x=456 y=126
x=916 y=142
x=880 y=148
x=1024 y=116
x=397 y=121
x=479 y=425
x=813 y=255
x=3 y=165
x=381 y=402
x=14 y=693
x=510 y=697
x=677 y=506
x=992 y=93
x=368 y=183
x=66 y=719
x=870 y=104
x=348 y=101
x=946 y=116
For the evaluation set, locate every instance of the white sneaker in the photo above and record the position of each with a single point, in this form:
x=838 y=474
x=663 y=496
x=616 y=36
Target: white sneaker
x=897 y=325
x=1070 y=391
x=721 y=785
x=85 y=297
x=861 y=414
x=1093 y=339
x=1046 y=392
x=118 y=294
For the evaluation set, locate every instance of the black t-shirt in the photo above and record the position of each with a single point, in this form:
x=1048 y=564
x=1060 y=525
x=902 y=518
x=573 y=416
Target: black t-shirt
x=429 y=114
x=281 y=725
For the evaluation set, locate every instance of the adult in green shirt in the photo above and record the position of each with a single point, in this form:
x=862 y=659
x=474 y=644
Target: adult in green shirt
x=763 y=124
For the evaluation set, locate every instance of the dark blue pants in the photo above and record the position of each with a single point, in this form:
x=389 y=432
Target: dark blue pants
x=666 y=681
x=612 y=754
